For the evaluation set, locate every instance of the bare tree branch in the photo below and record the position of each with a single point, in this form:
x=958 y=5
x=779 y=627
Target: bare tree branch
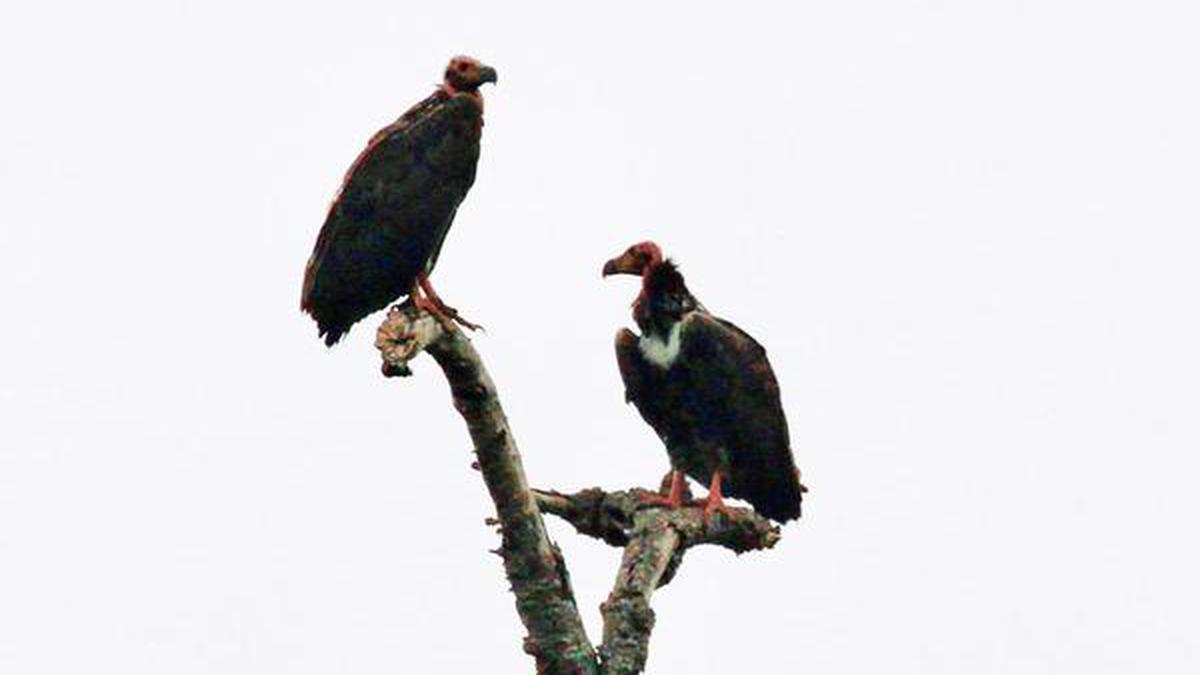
x=628 y=618
x=654 y=538
x=611 y=516
x=533 y=564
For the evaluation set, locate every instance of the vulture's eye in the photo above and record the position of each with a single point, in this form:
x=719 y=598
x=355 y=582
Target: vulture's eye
x=462 y=66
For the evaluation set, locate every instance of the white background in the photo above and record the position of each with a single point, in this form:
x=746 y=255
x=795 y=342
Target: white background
x=966 y=233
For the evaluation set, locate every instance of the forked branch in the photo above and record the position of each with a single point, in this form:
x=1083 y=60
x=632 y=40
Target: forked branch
x=654 y=538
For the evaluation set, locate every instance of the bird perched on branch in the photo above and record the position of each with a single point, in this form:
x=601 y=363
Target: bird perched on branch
x=707 y=389
x=386 y=226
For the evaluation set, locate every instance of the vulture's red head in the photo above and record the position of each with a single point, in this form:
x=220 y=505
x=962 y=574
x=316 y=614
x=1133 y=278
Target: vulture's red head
x=637 y=260
x=466 y=74
x=664 y=298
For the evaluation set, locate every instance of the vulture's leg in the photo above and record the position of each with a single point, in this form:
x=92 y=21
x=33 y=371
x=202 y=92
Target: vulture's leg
x=674 y=498
x=446 y=310
x=429 y=305
x=714 y=502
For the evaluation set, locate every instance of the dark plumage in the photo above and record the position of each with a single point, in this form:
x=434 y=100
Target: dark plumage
x=386 y=226
x=707 y=389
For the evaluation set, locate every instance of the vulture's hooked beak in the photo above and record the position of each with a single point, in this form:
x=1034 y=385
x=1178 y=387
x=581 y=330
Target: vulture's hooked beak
x=626 y=263
x=488 y=74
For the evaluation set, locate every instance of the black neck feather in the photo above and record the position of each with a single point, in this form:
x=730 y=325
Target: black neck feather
x=665 y=300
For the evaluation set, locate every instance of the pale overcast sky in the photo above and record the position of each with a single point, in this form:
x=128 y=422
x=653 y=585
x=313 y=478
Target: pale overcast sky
x=965 y=231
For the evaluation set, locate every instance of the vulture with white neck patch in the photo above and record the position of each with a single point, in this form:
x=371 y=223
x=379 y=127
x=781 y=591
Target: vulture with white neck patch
x=707 y=389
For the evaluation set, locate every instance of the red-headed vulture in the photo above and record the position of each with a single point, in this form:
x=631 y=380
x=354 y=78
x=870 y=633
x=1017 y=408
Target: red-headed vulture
x=387 y=224
x=707 y=389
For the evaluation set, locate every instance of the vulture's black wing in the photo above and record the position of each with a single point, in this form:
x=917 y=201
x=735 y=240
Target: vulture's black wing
x=392 y=214
x=645 y=386
x=718 y=404
x=734 y=400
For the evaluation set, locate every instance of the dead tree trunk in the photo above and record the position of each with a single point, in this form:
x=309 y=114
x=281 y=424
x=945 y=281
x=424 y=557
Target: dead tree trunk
x=654 y=538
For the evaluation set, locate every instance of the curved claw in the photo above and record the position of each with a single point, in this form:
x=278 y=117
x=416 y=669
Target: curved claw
x=717 y=505
x=425 y=304
x=714 y=502
x=454 y=316
x=652 y=499
x=444 y=310
x=674 y=497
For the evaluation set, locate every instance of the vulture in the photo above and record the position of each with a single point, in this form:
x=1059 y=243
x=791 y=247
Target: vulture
x=386 y=226
x=708 y=391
